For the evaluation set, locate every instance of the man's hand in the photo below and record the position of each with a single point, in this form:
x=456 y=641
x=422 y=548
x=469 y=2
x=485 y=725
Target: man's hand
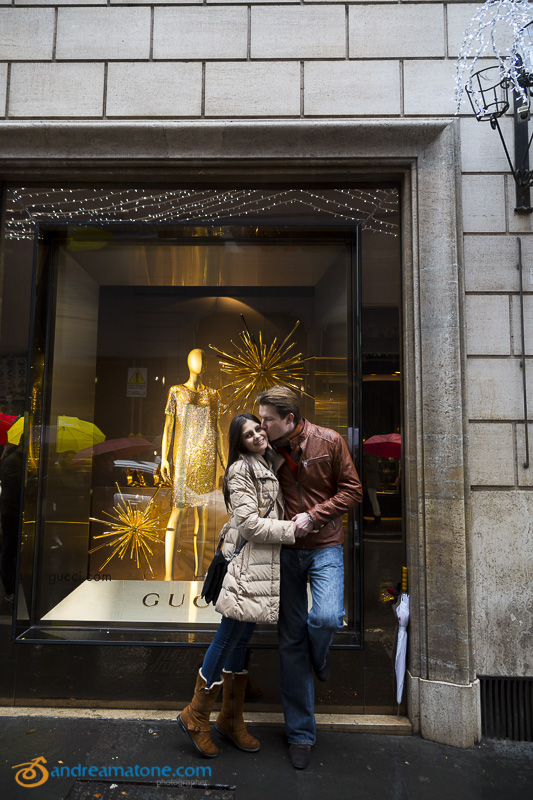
x=303 y=524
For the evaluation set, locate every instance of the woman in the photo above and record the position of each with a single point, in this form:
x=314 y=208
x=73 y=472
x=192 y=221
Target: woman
x=250 y=592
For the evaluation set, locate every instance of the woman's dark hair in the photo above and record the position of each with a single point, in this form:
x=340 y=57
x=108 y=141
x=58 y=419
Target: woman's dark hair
x=236 y=448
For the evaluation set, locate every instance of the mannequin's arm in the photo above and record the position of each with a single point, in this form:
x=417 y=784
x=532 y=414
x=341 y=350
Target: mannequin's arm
x=220 y=448
x=165 y=445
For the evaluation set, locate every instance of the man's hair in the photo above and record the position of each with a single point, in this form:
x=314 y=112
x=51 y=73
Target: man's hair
x=284 y=401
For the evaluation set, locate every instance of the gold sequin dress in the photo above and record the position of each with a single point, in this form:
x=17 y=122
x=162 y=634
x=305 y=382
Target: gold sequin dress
x=196 y=443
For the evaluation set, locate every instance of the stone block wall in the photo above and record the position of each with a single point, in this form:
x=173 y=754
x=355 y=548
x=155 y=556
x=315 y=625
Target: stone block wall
x=194 y=59
x=502 y=500
x=142 y=60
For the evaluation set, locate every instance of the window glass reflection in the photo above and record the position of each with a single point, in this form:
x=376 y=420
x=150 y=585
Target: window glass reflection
x=138 y=400
x=115 y=332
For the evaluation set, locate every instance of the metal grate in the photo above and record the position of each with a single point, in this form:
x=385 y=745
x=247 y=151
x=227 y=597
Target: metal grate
x=88 y=790
x=507 y=708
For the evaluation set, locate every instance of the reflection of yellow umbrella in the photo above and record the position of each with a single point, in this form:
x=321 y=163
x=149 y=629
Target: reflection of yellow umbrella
x=72 y=433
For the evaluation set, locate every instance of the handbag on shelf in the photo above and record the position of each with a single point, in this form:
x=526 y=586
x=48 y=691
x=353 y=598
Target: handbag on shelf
x=219 y=566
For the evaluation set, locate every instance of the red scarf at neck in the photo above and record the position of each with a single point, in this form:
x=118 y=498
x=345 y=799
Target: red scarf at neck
x=286 y=450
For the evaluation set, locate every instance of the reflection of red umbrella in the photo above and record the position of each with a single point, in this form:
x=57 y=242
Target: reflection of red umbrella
x=127 y=447
x=387 y=445
x=6 y=421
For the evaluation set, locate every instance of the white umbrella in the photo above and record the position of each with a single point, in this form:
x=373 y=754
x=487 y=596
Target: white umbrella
x=402 y=613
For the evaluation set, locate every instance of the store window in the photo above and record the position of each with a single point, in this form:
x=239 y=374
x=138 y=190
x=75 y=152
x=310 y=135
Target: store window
x=147 y=335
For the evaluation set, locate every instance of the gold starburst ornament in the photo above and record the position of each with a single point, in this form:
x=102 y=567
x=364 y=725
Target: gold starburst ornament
x=255 y=366
x=133 y=529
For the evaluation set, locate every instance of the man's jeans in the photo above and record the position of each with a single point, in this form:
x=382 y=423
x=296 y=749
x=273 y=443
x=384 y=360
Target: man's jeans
x=305 y=636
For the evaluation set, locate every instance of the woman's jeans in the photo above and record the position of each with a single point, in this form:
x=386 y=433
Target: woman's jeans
x=227 y=650
x=305 y=636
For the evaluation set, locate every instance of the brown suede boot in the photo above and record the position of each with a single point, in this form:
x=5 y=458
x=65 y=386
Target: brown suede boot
x=194 y=719
x=230 y=722
x=252 y=690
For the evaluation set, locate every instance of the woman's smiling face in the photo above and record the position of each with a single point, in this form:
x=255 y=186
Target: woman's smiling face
x=253 y=437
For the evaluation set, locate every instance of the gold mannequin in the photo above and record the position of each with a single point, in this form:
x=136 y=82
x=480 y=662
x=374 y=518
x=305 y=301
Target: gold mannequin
x=192 y=415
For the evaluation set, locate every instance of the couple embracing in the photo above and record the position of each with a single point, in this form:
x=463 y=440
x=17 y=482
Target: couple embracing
x=287 y=484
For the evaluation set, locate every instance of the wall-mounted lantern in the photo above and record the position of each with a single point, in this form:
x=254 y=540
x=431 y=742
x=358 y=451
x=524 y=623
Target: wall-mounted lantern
x=502 y=30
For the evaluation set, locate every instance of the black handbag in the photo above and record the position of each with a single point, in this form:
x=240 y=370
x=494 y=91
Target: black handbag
x=219 y=566
x=216 y=573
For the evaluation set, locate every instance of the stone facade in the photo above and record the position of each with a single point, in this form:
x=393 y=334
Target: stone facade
x=99 y=63
x=390 y=58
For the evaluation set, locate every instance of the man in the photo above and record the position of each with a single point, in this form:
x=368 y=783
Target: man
x=319 y=484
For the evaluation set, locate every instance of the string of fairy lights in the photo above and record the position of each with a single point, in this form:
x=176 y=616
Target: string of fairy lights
x=498 y=30
x=376 y=210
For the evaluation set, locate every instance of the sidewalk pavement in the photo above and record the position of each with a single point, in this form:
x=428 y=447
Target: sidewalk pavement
x=345 y=766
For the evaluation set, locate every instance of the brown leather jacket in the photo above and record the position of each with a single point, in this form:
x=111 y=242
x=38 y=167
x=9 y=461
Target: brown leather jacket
x=326 y=484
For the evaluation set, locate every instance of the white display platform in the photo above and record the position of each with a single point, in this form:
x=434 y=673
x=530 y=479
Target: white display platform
x=134 y=601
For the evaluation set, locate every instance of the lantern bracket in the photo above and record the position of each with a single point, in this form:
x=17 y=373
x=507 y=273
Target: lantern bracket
x=488 y=93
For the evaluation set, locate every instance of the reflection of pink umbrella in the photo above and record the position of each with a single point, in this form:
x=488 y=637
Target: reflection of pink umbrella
x=6 y=421
x=127 y=447
x=387 y=445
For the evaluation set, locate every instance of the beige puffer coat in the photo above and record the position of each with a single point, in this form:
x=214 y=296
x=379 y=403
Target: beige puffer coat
x=250 y=591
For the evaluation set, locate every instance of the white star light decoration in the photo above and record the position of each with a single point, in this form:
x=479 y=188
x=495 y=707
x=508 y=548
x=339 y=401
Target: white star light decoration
x=375 y=209
x=499 y=29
